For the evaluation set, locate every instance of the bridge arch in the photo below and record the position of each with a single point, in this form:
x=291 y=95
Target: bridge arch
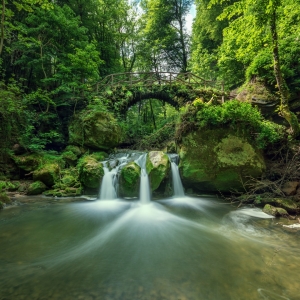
x=124 y=90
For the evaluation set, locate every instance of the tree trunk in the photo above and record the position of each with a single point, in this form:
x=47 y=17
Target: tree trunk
x=2 y=26
x=281 y=84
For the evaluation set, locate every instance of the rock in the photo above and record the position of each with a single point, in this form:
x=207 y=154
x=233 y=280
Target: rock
x=96 y=130
x=218 y=160
x=27 y=162
x=275 y=211
x=290 y=188
x=1 y=205
x=47 y=174
x=289 y=205
x=36 y=188
x=158 y=168
x=68 y=185
x=4 y=198
x=90 y=171
x=71 y=154
x=130 y=180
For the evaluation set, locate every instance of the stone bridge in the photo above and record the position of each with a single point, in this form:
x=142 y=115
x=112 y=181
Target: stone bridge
x=122 y=90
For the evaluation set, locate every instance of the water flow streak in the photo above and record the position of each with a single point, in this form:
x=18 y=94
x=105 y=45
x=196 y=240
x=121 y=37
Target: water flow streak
x=177 y=184
x=108 y=191
x=144 y=183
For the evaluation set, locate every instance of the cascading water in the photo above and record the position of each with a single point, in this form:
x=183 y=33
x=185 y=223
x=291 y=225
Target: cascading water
x=144 y=183
x=176 y=180
x=108 y=191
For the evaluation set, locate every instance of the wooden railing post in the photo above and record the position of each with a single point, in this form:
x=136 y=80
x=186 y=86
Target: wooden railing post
x=170 y=78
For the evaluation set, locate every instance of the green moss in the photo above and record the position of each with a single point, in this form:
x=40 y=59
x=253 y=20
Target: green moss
x=28 y=162
x=96 y=130
x=36 y=188
x=99 y=156
x=274 y=211
x=129 y=180
x=158 y=167
x=218 y=160
x=289 y=205
x=90 y=171
x=48 y=174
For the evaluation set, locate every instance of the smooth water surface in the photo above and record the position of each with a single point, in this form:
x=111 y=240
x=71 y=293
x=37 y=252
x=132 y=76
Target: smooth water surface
x=177 y=248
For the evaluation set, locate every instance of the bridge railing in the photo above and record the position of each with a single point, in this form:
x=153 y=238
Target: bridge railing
x=157 y=78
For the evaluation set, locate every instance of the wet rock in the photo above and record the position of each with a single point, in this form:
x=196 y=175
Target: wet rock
x=90 y=171
x=290 y=188
x=289 y=205
x=218 y=160
x=96 y=130
x=130 y=180
x=36 y=188
x=158 y=168
x=275 y=211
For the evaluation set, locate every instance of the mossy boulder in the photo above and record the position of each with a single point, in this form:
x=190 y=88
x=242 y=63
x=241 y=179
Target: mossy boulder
x=218 y=160
x=48 y=174
x=68 y=185
x=28 y=162
x=71 y=154
x=36 y=188
x=4 y=198
x=130 y=180
x=288 y=204
x=96 y=130
x=158 y=169
x=90 y=171
x=275 y=211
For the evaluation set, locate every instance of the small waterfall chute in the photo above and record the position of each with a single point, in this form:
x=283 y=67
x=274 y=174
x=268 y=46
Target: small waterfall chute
x=144 y=183
x=176 y=180
x=107 y=190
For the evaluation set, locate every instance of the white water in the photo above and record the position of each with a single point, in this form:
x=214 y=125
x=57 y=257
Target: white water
x=144 y=183
x=177 y=184
x=108 y=191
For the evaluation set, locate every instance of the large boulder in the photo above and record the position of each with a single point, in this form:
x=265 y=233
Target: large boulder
x=218 y=160
x=94 y=129
x=158 y=169
x=47 y=173
x=130 y=180
x=27 y=162
x=90 y=171
x=36 y=188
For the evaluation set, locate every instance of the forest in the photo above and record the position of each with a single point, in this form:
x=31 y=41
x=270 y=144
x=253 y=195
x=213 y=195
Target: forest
x=149 y=149
x=149 y=72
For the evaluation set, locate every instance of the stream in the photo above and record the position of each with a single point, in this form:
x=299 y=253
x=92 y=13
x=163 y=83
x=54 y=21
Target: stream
x=177 y=248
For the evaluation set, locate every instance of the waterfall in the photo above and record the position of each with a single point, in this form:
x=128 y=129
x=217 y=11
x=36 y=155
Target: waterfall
x=176 y=180
x=108 y=191
x=144 y=183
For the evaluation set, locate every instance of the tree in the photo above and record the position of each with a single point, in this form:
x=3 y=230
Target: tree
x=165 y=33
x=252 y=31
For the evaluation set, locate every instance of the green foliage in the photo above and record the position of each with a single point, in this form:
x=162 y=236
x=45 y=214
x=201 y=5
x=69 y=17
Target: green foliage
x=241 y=116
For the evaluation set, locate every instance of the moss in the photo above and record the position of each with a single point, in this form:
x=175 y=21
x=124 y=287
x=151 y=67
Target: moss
x=96 y=130
x=158 y=167
x=90 y=171
x=218 y=160
x=1 y=205
x=274 y=211
x=99 y=156
x=129 y=180
x=4 y=198
x=28 y=162
x=289 y=205
x=48 y=174
x=36 y=188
